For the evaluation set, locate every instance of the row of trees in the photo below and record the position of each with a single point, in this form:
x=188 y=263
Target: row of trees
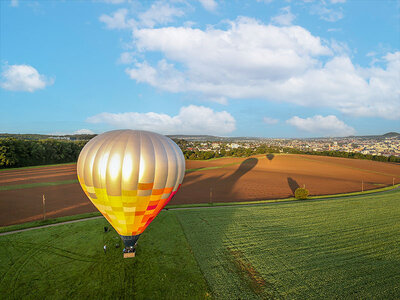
x=263 y=149
x=237 y=152
x=21 y=153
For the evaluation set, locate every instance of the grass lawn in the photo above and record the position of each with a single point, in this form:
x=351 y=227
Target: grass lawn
x=344 y=248
x=68 y=262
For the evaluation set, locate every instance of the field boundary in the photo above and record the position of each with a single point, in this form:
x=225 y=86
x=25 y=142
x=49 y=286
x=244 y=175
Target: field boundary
x=37 y=166
x=44 y=223
x=5 y=230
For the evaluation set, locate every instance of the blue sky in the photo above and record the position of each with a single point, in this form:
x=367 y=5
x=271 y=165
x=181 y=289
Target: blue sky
x=264 y=68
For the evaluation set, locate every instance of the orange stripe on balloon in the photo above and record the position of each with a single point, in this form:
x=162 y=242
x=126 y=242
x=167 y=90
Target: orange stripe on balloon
x=167 y=190
x=145 y=186
x=157 y=192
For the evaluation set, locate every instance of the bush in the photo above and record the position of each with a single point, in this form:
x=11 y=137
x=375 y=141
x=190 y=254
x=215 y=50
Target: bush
x=301 y=193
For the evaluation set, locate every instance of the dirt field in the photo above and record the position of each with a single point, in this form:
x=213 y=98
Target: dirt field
x=229 y=179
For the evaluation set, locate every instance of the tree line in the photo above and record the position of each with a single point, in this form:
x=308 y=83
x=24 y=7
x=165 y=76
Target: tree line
x=263 y=149
x=22 y=153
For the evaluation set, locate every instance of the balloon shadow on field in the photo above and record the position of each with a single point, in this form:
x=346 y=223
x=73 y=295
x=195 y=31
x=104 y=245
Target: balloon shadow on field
x=270 y=156
x=217 y=232
x=292 y=184
x=212 y=188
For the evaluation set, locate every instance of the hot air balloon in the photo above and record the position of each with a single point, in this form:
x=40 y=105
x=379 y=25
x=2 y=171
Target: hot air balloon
x=130 y=175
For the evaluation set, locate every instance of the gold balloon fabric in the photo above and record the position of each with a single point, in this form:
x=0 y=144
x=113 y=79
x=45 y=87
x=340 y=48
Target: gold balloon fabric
x=130 y=175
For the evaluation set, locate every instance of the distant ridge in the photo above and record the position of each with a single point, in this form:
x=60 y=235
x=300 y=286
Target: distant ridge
x=212 y=138
x=391 y=134
x=187 y=137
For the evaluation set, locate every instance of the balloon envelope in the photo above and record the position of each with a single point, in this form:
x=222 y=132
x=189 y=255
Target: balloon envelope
x=130 y=175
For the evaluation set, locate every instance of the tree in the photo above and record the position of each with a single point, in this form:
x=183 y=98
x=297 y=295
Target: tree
x=301 y=193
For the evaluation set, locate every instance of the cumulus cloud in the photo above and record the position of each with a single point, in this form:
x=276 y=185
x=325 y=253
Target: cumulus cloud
x=285 y=18
x=253 y=60
x=325 y=126
x=126 y=58
x=159 y=13
x=270 y=121
x=118 y=20
x=327 y=14
x=210 y=5
x=23 y=78
x=83 y=131
x=114 y=1
x=191 y=119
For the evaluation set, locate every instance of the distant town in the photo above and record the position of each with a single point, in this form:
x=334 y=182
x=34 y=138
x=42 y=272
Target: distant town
x=383 y=145
x=17 y=150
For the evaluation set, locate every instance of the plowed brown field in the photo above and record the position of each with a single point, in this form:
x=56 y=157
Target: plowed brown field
x=228 y=179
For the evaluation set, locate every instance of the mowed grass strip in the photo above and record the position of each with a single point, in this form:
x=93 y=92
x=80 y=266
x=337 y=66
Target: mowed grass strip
x=36 y=184
x=68 y=262
x=342 y=249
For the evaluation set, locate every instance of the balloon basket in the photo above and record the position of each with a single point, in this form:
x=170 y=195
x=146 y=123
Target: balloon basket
x=129 y=252
x=129 y=255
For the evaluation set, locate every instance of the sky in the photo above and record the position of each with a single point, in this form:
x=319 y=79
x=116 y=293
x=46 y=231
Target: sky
x=275 y=69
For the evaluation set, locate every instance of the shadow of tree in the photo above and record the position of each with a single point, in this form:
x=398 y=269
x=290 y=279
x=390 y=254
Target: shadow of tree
x=293 y=184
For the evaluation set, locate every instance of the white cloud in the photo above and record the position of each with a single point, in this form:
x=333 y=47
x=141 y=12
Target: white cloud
x=83 y=131
x=327 y=14
x=285 y=18
x=114 y=1
x=126 y=58
x=270 y=121
x=338 y=1
x=23 y=78
x=164 y=76
x=210 y=5
x=159 y=13
x=14 y=3
x=339 y=47
x=254 y=60
x=325 y=126
x=191 y=119
x=118 y=20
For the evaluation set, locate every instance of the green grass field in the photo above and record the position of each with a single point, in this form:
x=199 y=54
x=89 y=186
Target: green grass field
x=345 y=248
